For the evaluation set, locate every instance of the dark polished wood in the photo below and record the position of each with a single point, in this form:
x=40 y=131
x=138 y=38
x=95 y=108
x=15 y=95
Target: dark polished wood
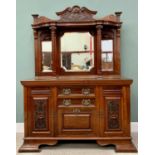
x=105 y=118
x=93 y=105
x=77 y=19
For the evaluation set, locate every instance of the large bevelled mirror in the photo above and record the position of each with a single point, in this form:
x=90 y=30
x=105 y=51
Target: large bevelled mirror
x=77 y=51
x=46 y=47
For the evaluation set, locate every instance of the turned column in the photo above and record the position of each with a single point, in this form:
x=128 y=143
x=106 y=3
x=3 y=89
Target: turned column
x=35 y=32
x=98 y=54
x=117 y=53
x=54 y=49
x=36 y=46
x=117 y=48
x=37 y=67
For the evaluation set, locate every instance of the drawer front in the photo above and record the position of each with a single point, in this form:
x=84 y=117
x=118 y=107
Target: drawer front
x=77 y=111
x=77 y=122
x=68 y=90
x=71 y=102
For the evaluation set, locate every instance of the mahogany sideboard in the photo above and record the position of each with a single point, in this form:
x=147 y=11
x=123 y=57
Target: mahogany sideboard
x=78 y=92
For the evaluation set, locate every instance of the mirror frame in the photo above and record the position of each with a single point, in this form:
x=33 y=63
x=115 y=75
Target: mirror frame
x=73 y=71
x=54 y=29
x=93 y=69
x=112 y=34
x=104 y=70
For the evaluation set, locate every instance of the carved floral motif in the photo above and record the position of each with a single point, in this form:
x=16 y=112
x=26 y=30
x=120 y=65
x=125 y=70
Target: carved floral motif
x=40 y=113
x=113 y=114
x=76 y=14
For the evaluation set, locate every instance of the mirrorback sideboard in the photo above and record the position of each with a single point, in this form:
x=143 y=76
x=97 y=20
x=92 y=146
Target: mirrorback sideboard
x=78 y=92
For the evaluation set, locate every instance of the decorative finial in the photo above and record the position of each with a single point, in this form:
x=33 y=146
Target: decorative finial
x=118 y=14
x=35 y=16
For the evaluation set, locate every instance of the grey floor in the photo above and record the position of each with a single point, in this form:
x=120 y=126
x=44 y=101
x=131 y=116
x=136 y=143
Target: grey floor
x=75 y=148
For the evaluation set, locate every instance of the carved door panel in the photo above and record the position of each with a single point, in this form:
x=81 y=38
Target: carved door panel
x=77 y=122
x=112 y=113
x=40 y=118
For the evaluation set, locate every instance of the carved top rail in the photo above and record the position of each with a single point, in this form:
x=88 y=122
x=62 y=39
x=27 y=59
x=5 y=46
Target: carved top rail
x=76 y=14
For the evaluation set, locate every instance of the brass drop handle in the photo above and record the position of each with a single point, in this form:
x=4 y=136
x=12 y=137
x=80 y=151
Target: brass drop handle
x=76 y=110
x=85 y=91
x=66 y=91
x=86 y=102
x=66 y=102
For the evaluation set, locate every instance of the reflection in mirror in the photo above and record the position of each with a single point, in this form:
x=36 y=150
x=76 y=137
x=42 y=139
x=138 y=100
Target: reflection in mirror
x=46 y=56
x=107 y=55
x=77 y=51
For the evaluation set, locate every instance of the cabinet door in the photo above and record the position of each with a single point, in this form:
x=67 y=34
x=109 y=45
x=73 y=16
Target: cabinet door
x=112 y=112
x=40 y=110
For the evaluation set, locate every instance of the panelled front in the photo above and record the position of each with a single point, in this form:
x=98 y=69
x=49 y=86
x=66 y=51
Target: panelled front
x=40 y=114
x=112 y=105
x=77 y=111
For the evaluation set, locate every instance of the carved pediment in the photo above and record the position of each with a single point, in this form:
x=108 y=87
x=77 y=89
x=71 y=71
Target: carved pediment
x=76 y=14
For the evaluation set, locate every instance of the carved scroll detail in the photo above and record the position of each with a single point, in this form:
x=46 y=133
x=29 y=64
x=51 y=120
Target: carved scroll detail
x=40 y=113
x=76 y=14
x=113 y=114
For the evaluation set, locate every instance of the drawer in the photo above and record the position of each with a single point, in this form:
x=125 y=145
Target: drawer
x=88 y=102
x=77 y=122
x=68 y=90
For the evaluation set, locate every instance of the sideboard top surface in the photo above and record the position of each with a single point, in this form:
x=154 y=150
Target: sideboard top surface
x=76 y=80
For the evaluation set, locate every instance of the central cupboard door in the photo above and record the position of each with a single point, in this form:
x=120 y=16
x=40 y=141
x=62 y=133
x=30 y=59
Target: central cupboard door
x=77 y=121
